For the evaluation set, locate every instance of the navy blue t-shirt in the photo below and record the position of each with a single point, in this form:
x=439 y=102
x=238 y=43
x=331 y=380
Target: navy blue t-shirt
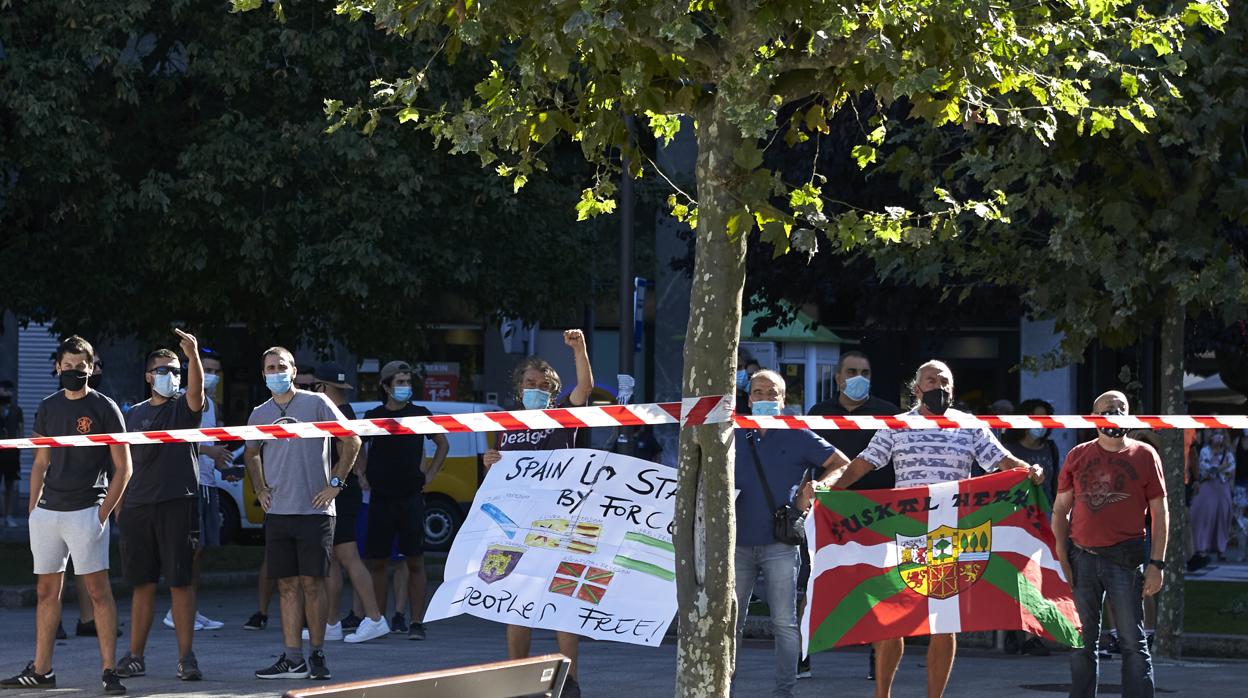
x=786 y=455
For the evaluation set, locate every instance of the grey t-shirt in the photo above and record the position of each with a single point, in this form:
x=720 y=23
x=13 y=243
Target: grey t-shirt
x=295 y=469
x=166 y=471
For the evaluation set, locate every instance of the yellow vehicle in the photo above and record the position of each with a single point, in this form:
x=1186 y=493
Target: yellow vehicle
x=447 y=497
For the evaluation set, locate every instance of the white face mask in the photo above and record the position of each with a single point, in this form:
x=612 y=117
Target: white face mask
x=166 y=385
x=210 y=382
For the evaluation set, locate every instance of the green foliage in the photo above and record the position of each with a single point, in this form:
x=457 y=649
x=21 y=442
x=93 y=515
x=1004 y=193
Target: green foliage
x=574 y=68
x=1096 y=232
x=169 y=161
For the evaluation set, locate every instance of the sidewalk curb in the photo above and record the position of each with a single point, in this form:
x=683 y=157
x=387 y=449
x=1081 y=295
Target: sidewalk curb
x=13 y=597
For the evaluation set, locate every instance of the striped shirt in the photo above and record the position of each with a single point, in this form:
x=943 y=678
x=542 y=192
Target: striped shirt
x=930 y=456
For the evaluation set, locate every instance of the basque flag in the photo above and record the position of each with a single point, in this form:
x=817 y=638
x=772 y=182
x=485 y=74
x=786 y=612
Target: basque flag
x=963 y=556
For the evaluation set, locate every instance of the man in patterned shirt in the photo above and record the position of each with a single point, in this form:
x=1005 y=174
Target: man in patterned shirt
x=928 y=457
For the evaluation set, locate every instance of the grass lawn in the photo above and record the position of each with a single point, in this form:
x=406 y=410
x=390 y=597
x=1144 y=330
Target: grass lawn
x=15 y=561
x=1216 y=607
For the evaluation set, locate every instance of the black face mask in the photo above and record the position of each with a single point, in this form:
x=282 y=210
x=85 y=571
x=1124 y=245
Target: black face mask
x=1113 y=432
x=73 y=380
x=937 y=400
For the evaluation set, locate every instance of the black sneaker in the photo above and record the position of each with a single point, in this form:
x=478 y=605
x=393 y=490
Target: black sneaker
x=319 y=671
x=1012 y=645
x=416 y=631
x=398 y=624
x=257 y=621
x=112 y=684
x=803 y=668
x=350 y=621
x=188 y=668
x=87 y=629
x=60 y=631
x=571 y=689
x=29 y=678
x=131 y=665
x=283 y=668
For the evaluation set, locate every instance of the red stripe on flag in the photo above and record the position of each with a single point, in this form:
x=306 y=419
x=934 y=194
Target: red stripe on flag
x=104 y=439
x=162 y=436
x=672 y=409
x=893 y=422
x=904 y=613
x=985 y=607
x=449 y=423
x=841 y=422
x=743 y=422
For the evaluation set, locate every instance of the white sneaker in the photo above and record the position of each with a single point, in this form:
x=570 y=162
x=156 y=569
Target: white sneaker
x=169 y=621
x=369 y=629
x=203 y=622
x=332 y=632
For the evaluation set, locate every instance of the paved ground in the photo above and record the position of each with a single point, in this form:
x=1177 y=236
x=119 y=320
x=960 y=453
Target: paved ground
x=231 y=655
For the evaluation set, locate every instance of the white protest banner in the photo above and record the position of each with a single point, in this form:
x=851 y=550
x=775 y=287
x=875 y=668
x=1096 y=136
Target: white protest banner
x=574 y=540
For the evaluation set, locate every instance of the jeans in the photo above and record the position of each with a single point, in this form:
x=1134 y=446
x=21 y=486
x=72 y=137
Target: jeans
x=1097 y=580
x=778 y=563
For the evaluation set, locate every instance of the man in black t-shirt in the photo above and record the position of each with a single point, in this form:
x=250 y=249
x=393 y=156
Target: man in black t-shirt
x=160 y=518
x=393 y=470
x=853 y=382
x=854 y=398
x=71 y=498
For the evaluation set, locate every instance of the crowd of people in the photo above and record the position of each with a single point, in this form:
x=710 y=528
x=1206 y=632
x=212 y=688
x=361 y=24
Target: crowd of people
x=1108 y=497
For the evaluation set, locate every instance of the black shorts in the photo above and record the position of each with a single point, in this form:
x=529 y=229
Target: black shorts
x=395 y=517
x=10 y=466
x=348 y=504
x=298 y=545
x=160 y=540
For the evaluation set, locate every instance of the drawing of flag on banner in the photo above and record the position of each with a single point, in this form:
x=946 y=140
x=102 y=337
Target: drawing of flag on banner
x=963 y=556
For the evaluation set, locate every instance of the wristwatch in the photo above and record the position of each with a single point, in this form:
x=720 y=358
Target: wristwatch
x=336 y=481
x=1159 y=564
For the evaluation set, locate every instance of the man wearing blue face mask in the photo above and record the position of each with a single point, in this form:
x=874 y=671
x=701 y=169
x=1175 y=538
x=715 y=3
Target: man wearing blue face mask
x=296 y=487
x=854 y=399
x=769 y=465
x=160 y=514
x=394 y=470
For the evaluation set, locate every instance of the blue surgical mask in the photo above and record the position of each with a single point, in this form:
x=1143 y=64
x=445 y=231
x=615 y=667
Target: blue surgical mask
x=402 y=393
x=1038 y=433
x=743 y=380
x=211 y=380
x=534 y=399
x=166 y=385
x=765 y=408
x=278 y=383
x=857 y=388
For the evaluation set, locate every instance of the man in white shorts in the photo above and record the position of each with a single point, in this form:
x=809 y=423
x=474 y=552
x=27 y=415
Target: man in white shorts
x=71 y=498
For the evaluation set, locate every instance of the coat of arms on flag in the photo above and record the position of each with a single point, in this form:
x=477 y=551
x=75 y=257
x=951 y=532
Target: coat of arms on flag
x=971 y=555
x=945 y=561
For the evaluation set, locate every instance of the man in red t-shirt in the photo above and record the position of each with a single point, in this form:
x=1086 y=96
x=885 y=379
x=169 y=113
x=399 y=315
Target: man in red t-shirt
x=1104 y=491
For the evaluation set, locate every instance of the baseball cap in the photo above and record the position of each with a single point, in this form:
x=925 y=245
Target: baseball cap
x=332 y=373
x=389 y=370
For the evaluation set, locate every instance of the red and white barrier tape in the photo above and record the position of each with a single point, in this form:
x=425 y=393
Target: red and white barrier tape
x=689 y=412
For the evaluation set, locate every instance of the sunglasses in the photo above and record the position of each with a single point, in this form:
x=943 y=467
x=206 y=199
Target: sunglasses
x=165 y=370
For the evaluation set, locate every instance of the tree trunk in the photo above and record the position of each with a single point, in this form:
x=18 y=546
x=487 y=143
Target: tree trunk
x=705 y=533
x=1169 y=634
